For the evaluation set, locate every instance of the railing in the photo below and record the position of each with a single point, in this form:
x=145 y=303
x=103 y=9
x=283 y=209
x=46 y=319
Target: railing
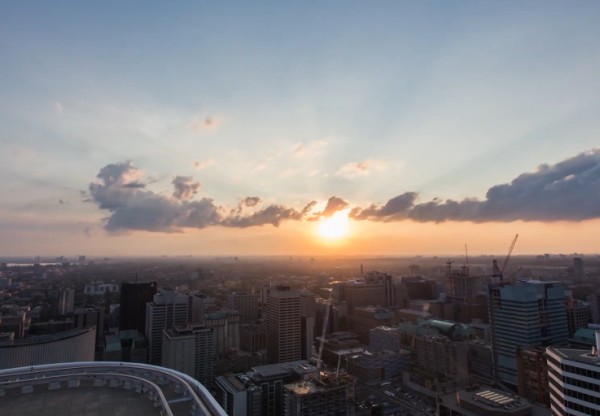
x=137 y=374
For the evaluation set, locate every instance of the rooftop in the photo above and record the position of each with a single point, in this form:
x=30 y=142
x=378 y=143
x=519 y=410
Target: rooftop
x=102 y=388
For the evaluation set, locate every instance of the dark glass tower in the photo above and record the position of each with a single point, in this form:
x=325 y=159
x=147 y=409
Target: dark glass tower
x=134 y=297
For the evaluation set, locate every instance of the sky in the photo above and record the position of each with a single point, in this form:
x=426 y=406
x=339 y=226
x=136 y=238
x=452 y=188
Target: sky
x=239 y=128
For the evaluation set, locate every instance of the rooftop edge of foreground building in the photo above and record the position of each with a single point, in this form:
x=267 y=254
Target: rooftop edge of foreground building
x=169 y=391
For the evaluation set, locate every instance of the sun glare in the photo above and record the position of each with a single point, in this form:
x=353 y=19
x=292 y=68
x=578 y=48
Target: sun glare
x=335 y=227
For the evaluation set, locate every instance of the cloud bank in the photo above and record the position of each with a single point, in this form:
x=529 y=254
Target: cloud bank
x=566 y=191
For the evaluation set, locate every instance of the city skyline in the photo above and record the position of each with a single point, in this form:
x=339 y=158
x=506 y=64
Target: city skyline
x=393 y=128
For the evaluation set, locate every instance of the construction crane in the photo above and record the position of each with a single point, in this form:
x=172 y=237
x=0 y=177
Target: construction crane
x=324 y=332
x=499 y=272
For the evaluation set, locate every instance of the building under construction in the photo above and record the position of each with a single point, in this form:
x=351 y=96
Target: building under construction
x=327 y=394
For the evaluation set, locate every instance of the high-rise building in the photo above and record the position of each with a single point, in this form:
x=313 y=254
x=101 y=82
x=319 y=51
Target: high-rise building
x=526 y=314
x=578 y=315
x=66 y=299
x=226 y=327
x=168 y=309
x=284 y=335
x=384 y=338
x=574 y=378
x=132 y=309
x=190 y=350
x=533 y=374
x=307 y=322
x=246 y=304
x=578 y=268
x=462 y=285
x=260 y=391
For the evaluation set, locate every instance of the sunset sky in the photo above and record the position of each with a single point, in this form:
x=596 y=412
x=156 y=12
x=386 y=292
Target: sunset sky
x=215 y=128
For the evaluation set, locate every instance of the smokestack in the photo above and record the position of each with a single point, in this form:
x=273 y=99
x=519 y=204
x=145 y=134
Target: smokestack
x=597 y=342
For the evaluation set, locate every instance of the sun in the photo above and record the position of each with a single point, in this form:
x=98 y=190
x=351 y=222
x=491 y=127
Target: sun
x=335 y=227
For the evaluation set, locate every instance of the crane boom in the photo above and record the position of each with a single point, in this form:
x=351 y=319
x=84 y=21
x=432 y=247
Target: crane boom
x=512 y=246
x=324 y=332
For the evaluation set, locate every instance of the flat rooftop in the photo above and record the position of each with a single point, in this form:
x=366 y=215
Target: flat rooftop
x=83 y=400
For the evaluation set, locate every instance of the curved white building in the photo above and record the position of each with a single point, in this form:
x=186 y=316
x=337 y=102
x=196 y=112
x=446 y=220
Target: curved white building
x=574 y=378
x=100 y=388
x=74 y=345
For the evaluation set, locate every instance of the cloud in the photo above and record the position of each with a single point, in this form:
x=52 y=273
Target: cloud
x=251 y=201
x=334 y=204
x=185 y=187
x=204 y=164
x=354 y=170
x=396 y=208
x=200 y=124
x=566 y=191
x=308 y=149
x=273 y=214
x=137 y=208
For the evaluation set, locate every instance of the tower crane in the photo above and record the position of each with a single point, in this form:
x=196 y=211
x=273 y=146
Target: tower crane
x=323 y=333
x=499 y=272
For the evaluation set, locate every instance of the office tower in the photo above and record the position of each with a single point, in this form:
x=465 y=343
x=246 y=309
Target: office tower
x=284 y=335
x=384 y=338
x=532 y=372
x=578 y=315
x=132 y=310
x=190 y=349
x=226 y=327
x=578 y=268
x=260 y=391
x=88 y=317
x=307 y=322
x=66 y=299
x=574 y=378
x=199 y=304
x=372 y=367
x=168 y=309
x=246 y=304
x=527 y=314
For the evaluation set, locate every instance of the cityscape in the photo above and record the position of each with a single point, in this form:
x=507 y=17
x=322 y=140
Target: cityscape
x=299 y=208
x=517 y=335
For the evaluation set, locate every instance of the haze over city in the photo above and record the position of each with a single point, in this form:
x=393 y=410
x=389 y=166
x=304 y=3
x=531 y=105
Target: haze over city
x=380 y=128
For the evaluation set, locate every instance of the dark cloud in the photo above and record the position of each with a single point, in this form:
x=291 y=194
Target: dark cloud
x=396 y=208
x=568 y=190
x=137 y=208
x=185 y=187
x=251 y=201
x=134 y=185
x=273 y=215
x=334 y=204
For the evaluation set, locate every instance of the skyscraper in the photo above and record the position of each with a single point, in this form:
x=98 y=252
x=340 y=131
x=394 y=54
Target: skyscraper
x=66 y=299
x=190 y=349
x=168 y=309
x=283 y=325
x=132 y=310
x=246 y=304
x=527 y=314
